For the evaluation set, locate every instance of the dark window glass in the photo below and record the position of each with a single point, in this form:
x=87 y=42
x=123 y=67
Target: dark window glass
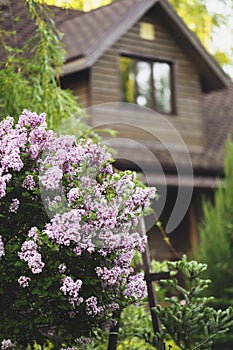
x=146 y=83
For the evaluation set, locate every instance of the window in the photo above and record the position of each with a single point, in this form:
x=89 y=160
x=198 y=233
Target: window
x=147 y=83
x=146 y=31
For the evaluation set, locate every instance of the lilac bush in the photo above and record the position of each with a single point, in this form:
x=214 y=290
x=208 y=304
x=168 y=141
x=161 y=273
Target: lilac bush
x=67 y=236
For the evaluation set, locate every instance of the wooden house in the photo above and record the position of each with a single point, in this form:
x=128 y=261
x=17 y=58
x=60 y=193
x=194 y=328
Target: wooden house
x=137 y=68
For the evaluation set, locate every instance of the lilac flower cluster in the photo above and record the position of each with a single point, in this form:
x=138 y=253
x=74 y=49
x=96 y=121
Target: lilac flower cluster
x=24 y=281
x=30 y=129
x=91 y=306
x=64 y=229
x=30 y=254
x=110 y=277
x=6 y=344
x=14 y=206
x=120 y=276
x=62 y=268
x=4 y=179
x=2 y=252
x=29 y=182
x=136 y=287
x=71 y=288
x=96 y=222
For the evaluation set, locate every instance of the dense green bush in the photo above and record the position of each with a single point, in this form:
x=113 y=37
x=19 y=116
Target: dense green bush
x=216 y=242
x=66 y=239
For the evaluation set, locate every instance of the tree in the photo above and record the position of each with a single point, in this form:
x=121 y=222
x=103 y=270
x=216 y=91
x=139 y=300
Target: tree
x=187 y=318
x=204 y=23
x=216 y=231
x=216 y=237
x=30 y=77
x=85 y=5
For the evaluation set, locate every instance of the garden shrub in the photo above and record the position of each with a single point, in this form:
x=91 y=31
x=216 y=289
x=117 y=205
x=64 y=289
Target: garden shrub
x=216 y=242
x=66 y=239
x=135 y=332
x=188 y=319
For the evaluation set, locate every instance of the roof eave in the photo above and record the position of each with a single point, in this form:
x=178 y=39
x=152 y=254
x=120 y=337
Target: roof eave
x=73 y=66
x=110 y=37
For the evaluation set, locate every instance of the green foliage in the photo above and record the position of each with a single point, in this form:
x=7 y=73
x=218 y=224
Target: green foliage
x=135 y=332
x=188 y=319
x=216 y=233
x=204 y=23
x=85 y=5
x=30 y=77
x=216 y=237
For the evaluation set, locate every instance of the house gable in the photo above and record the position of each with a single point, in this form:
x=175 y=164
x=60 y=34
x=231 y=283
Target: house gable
x=101 y=28
x=106 y=89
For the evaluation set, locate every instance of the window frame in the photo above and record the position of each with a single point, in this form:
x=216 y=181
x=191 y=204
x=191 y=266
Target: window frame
x=152 y=60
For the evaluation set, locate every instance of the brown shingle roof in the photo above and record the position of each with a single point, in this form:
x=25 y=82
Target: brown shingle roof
x=84 y=32
x=23 y=25
x=218 y=118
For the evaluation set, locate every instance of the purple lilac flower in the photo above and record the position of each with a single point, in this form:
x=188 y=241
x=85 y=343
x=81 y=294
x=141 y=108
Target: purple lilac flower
x=109 y=277
x=71 y=288
x=33 y=233
x=6 y=344
x=62 y=268
x=29 y=182
x=30 y=254
x=6 y=126
x=14 y=206
x=136 y=287
x=91 y=306
x=31 y=119
x=65 y=228
x=83 y=341
x=4 y=179
x=125 y=258
x=51 y=178
x=24 y=281
x=113 y=306
x=73 y=194
x=107 y=215
x=2 y=252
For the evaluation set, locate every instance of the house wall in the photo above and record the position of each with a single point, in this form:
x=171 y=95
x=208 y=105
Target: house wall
x=78 y=83
x=99 y=88
x=105 y=86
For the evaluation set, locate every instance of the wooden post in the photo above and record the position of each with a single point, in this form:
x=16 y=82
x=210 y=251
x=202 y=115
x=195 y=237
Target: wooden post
x=150 y=278
x=113 y=335
x=149 y=281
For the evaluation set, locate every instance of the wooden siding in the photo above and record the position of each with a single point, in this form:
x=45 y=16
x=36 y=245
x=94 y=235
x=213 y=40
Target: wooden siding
x=105 y=85
x=78 y=83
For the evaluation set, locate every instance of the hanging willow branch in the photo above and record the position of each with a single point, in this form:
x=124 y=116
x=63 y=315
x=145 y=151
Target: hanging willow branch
x=30 y=77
